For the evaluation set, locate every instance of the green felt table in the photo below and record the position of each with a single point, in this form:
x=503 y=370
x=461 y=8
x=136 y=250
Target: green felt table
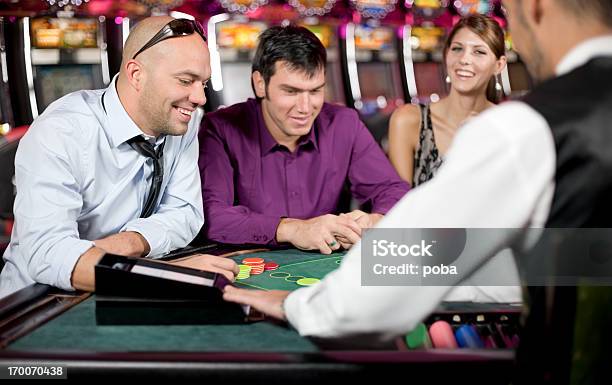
x=296 y=263
x=267 y=351
x=76 y=329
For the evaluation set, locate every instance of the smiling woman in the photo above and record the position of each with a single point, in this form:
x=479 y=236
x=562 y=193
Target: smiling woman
x=419 y=136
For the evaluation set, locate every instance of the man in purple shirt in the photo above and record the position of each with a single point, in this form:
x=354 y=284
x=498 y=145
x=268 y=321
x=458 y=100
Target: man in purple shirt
x=273 y=169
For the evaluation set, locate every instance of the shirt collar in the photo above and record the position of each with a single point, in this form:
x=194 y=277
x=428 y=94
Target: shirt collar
x=120 y=126
x=583 y=52
x=266 y=140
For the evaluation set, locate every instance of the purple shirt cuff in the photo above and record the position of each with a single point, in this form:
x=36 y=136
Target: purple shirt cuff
x=257 y=229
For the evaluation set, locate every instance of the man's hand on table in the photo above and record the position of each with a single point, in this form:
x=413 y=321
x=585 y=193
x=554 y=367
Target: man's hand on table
x=212 y=263
x=363 y=220
x=268 y=302
x=319 y=233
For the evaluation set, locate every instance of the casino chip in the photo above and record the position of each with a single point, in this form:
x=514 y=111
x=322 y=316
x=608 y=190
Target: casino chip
x=256 y=264
x=252 y=261
x=270 y=266
x=245 y=272
x=307 y=281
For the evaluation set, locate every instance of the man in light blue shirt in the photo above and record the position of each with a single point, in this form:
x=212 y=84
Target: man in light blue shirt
x=84 y=190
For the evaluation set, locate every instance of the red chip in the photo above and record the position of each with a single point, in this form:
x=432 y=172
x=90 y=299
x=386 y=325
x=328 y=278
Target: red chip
x=252 y=261
x=271 y=266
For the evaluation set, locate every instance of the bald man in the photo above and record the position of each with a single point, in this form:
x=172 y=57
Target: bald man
x=115 y=170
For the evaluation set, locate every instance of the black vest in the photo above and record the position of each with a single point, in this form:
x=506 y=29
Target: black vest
x=567 y=337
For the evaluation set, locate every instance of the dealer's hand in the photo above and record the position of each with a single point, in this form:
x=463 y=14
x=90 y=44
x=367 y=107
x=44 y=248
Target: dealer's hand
x=268 y=302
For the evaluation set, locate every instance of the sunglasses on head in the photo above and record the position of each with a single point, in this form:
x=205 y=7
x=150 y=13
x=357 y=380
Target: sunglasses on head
x=175 y=28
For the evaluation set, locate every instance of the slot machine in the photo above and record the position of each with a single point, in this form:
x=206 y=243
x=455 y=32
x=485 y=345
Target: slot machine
x=423 y=46
x=6 y=110
x=232 y=39
x=374 y=75
x=61 y=54
x=468 y=7
x=232 y=43
x=9 y=140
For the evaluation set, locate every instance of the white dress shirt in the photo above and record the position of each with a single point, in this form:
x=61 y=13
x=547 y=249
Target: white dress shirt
x=499 y=173
x=78 y=180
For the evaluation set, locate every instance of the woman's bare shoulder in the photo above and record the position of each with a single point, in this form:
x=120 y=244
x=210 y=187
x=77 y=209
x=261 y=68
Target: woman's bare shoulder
x=406 y=118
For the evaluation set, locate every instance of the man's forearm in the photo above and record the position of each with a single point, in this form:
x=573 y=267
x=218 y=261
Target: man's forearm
x=83 y=275
x=128 y=243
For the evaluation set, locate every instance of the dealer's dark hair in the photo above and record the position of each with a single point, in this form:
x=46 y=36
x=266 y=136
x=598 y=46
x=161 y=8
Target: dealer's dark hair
x=586 y=9
x=600 y=10
x=296 y=46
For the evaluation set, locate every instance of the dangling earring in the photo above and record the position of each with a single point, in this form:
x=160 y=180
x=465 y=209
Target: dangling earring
x=448 y=80
x=498 y=85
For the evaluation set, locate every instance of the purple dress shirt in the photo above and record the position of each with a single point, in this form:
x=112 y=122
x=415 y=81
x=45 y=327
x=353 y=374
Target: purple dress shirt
x=250 y=182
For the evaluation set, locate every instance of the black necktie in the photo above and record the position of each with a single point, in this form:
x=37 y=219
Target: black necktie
x=145 y=148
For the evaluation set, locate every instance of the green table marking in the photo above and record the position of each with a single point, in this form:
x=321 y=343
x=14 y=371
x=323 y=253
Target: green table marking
x=294 y=266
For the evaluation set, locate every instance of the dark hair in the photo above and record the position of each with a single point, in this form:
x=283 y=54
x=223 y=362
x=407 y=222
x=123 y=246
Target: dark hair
x=598 y=9
x=297 y=46
x=485 y=27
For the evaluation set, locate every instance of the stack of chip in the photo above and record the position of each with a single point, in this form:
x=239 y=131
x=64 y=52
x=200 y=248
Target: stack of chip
x=245 y=272
x=256 y=264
